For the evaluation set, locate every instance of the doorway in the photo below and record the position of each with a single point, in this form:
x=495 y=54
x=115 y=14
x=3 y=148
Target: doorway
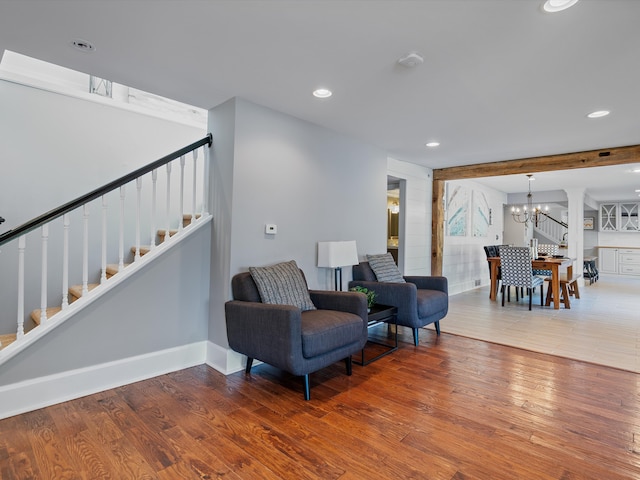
x=395 y=219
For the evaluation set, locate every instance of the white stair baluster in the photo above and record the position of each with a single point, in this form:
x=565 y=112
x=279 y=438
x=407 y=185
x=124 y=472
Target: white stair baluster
x=22 y=243
x=193 y=187
x=181 y=193
x=121 y=241
x=138 y=203
x=103 y=275
x=154 y=197
x=168 y=219
x=43 y=270
x=85 y=250
x=65 y=261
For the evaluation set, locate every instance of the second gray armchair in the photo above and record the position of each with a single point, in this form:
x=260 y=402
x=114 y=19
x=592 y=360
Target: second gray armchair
x=420 y=301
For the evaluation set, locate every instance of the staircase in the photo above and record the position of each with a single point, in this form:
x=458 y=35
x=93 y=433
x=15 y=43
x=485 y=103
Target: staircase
x=14 y=242
x=554 y=231
x=75 y=291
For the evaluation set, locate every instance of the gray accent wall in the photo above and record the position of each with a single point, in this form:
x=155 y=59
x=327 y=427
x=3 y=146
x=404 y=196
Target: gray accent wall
x=313 y=183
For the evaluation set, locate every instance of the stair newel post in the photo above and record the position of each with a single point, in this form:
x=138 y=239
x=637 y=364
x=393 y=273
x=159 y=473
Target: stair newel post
x=22 y=244
x=205 y=182
x=138 y=206
x=182 y=162
x=65 y=261
x=121 y=234
x=85 y=250
x=154 y=197
x=168 y=219
x=43 y=271
x=193 y=187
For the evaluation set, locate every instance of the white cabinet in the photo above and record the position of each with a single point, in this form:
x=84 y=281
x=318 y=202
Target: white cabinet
x=608 y=217
x=608 y=260
x=628 y=217
x=629 y=261
x=619 y=217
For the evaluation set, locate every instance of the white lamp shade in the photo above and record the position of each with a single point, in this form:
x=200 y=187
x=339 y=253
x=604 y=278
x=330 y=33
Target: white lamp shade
x=337 y=254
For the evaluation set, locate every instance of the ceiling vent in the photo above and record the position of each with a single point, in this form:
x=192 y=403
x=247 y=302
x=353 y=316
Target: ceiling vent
x=410 y=61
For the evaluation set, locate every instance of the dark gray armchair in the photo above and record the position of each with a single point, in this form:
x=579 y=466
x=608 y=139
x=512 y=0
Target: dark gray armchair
x=420 y=301
x=299 y=342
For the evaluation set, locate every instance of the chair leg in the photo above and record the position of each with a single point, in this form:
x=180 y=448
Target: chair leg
x=437 y=324
x=503 y=295
x=349 y=365
x=307 y=390
x=530 y=292
x=415 y=336
x=541 y=290
x=249 y=363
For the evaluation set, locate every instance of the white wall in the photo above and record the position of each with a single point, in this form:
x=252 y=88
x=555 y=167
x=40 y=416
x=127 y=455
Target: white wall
x=415 y=251
x=313 y=183
x=464 y=261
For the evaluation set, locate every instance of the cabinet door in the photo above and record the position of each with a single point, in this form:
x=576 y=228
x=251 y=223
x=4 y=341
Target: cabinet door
x=608 y=260
x=628 y=217
x=608 y=217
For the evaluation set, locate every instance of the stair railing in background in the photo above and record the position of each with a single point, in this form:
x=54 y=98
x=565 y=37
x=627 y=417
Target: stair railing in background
x=553 y=229
x=18 y=235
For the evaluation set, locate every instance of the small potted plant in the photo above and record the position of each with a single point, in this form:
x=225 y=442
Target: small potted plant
x=371 y=295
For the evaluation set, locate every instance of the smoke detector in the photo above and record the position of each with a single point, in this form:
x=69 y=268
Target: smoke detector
x=410 y=61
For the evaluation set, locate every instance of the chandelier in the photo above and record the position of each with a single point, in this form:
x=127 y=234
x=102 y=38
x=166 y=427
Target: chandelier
x=528 y=213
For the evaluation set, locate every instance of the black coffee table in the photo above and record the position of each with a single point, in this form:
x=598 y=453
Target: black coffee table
x=380 y=314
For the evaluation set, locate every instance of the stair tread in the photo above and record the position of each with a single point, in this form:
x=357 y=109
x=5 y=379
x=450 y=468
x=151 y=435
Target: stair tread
x=51 y=311
x=7 y=339
x=113 y=268
x=76 y=290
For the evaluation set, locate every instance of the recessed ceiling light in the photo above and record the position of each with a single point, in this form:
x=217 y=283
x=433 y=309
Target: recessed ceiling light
x=322 y=93
x=636 y=170
x=553 y=6
x=433 y=144
x=82 y=45
x=599 y=113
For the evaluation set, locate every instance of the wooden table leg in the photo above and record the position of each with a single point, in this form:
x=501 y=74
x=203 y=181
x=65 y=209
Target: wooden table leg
x=555 y=286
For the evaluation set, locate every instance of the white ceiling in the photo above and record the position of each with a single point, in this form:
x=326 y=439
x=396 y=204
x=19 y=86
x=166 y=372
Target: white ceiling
x=501 y=79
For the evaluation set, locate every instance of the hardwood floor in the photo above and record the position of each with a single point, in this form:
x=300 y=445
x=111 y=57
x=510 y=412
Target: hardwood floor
x=452 y=408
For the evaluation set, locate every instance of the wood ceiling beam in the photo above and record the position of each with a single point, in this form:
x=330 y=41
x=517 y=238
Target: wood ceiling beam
x=565 y=161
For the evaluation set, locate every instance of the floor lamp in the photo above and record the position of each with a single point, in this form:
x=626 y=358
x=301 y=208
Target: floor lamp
x=337 y=255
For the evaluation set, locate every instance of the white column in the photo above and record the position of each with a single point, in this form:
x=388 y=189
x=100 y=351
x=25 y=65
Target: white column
x=575 y=236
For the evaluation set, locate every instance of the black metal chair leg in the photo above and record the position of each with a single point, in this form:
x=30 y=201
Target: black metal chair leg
x=307 y=390
x=503 y=292
x=415 y=336
x=541 y=290
x=437 y=324
x=530 y=291
x=249 y=363
x=349 y=365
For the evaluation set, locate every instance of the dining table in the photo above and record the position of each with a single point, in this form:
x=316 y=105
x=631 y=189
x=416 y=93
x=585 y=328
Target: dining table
x=552 y=264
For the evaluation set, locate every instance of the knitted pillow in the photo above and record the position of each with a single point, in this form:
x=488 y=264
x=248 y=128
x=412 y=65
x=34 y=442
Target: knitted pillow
x=282 y=284
x=385 y=268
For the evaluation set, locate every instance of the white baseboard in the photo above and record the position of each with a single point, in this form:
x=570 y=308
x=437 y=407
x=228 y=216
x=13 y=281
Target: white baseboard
x=42 y=392
x=225 y=360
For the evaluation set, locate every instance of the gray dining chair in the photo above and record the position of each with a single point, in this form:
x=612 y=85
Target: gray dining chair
x=517 y=271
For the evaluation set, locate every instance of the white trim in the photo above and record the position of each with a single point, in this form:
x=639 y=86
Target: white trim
x=225 y=360
x=45 y=391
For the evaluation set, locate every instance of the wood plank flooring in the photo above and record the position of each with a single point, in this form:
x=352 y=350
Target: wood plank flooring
x=602 y=327
x=452 y=408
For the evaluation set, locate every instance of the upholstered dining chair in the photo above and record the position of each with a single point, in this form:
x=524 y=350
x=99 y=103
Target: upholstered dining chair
x=546 y=249
x=517 y=272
